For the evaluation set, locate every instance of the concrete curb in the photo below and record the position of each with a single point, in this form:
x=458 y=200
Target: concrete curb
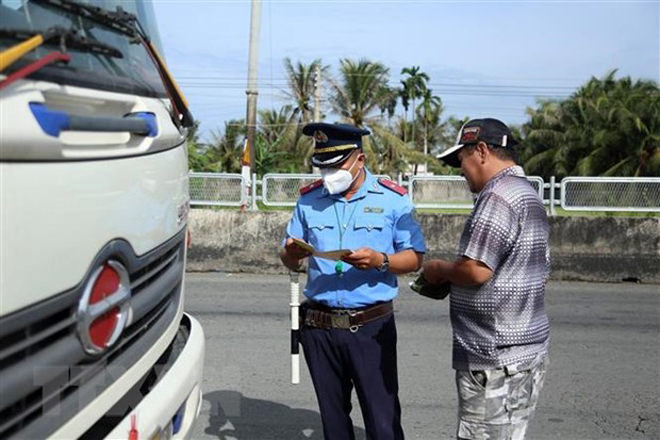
x=603 y=249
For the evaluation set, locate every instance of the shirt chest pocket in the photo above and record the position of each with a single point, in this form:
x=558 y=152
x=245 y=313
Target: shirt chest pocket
x=370 y=230
x=322 y=233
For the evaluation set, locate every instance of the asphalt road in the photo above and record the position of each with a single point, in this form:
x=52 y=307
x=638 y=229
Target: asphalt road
x=603 y=380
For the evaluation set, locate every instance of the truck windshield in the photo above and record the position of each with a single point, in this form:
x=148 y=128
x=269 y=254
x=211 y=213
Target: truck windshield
x=133 y=73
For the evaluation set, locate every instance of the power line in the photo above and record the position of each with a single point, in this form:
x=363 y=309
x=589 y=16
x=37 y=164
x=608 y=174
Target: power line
x=240 y=82
x=539 y=94
x=497 y=90
x=199 y=81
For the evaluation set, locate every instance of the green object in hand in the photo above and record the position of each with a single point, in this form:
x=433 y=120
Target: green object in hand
x=339 y=268
x=433 y=291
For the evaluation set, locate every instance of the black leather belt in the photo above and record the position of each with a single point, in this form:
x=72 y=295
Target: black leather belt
x=318 y=316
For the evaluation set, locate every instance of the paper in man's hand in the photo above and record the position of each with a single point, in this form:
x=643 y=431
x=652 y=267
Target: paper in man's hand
x=334 y=255
x=301 y=244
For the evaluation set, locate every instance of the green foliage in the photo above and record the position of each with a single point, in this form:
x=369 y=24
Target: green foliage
x=414 y=87
x=197 y=159
x=301 y=80
x=360 y=96
x=222 y=154
x=608 y=127
x=361 y=89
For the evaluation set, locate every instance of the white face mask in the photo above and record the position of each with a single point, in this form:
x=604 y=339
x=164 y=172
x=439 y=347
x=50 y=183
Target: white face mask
x=337 y=181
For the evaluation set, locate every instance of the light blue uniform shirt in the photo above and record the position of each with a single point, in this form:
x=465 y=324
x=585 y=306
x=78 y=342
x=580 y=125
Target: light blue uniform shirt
x=375 y=217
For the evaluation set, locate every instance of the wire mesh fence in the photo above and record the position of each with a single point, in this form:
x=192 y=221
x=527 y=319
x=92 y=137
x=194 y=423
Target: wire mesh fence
x=450 y=192
x=640 y=194
x=284 y=189
x=215 y=189
x=440 y=192
x=437 y=192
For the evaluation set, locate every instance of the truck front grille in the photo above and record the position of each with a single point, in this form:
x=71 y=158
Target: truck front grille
x=46 y=374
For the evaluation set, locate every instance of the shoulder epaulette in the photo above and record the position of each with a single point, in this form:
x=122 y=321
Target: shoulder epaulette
x=307 y=188
x=393 y=186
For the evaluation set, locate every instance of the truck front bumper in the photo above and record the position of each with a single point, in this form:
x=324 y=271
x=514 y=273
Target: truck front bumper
x=173 y=402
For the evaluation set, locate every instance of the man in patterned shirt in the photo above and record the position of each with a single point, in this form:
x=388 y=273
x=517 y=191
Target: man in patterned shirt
x=500 y=328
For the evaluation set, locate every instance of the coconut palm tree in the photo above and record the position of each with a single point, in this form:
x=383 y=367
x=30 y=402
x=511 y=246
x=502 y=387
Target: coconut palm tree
x=301 y=82
x=281 y=137
x=607 y=127
x=359 y=91
x=429 y=112
x=276 y=124
x=389 y=96
x=413 y=88
x=225 y=148
x=198 y=159
x=356 y=96
x=388 y=153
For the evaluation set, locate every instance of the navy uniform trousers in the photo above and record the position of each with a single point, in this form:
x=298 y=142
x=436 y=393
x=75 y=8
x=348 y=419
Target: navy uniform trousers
x=339 y=360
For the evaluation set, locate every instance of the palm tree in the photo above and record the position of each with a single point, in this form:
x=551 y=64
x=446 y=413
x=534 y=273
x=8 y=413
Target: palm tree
x=389 y=96
x=281 y=139
x=413 y=88
x=544 y=148
x=389 y=154
x=359 y=90
x=276 y=124
x=197 y=151
x=608 y=127
x=429 y=111
x=268 y=156
x=226 y=148
x=301 y=82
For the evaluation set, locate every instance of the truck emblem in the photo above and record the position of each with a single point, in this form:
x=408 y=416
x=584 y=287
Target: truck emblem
x=104 y=307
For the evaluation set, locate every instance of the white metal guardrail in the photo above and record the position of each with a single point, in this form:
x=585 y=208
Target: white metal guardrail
x=440 y=192
x=217 y=189
x=451 y=192
x=283 y=189
x=638 y=194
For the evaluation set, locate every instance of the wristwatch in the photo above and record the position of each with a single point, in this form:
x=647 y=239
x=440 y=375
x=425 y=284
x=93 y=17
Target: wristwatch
x=386 y=263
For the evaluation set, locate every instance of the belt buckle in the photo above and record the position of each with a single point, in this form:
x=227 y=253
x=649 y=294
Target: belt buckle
x=340 y=320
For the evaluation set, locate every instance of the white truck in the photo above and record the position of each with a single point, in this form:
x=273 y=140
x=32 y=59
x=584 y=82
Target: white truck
x=94 y=200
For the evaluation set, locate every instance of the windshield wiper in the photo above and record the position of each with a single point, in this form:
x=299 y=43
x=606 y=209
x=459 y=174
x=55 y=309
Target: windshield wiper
x=30 y=40
x=65 y=39
x=119 y=21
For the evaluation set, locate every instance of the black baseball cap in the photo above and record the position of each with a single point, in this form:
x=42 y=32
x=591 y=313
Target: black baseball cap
x=488 y=130
x=333 y=143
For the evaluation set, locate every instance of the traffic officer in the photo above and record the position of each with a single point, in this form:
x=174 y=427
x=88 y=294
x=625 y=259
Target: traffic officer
x=348 y=330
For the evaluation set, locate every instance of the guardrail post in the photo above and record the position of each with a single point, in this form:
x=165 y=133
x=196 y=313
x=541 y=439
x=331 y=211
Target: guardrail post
x=553 y=212
x=254 y=206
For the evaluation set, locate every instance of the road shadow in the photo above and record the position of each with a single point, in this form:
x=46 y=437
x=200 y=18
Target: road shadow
x=234 y=416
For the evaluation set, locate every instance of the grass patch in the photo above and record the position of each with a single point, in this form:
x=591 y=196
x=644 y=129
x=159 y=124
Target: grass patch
x=560 y=212
x=563 y=213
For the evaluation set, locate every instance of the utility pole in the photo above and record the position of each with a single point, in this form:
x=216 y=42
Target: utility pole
x=317 y=94
x=317 y=103
x=252 y=90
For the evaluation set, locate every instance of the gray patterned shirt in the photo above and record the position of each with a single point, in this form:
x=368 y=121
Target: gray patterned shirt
x=503 y=322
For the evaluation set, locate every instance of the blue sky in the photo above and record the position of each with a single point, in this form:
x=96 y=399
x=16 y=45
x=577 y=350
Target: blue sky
x=485 y=58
